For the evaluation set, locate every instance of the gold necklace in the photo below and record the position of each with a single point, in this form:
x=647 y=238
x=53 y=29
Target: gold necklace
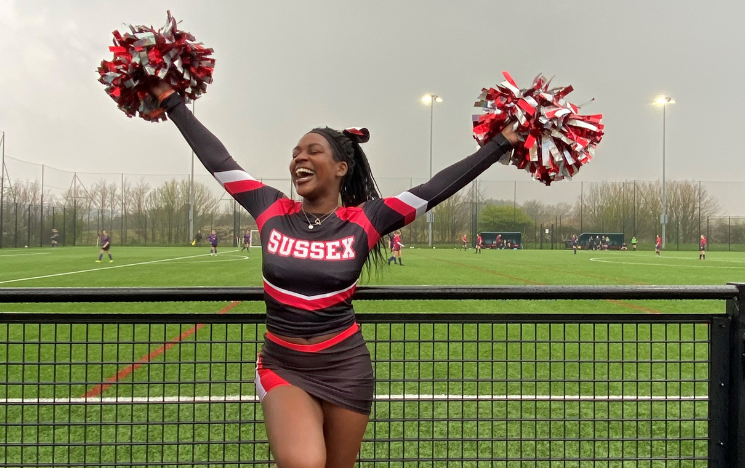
x=318 y=220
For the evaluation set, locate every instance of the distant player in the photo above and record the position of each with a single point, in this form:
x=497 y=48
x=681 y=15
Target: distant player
x=391 y=238
x=213 y=243
x=55 y=235
x=633 y=242
x=479 y=242
x=396 y=248
x=574 y=243
x=702 y=248
x=658 y=245
x=500 y=244
x=198 y=238
x=246 y=240
x=465 y=242
x=105 y=246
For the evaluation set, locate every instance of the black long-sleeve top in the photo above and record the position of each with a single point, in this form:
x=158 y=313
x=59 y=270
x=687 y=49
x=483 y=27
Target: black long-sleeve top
x=311 y=274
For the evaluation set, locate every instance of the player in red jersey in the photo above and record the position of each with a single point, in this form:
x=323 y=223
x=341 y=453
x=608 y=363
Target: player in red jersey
x=314 y=376
x=465 y=242
x=658 y=245
x=702 y=248
x=396 y=248
x=479 y=241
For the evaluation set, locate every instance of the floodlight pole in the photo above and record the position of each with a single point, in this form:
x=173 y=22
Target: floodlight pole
x=432 y=98
x=431 y=121
x=41 y=215
x=191 y=187
x=664 y=187
x=664 y=101
x=2 y=187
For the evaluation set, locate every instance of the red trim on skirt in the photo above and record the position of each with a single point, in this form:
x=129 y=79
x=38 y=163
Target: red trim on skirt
x=266 y=379
x=314 y=348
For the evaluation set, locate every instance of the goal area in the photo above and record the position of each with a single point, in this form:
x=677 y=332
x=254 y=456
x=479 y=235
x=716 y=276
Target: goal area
x=255 y=238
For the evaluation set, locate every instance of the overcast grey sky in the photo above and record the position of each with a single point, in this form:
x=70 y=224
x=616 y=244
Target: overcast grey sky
x=284 y=67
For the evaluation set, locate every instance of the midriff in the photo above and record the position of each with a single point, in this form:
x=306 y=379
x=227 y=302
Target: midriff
x=307 y=341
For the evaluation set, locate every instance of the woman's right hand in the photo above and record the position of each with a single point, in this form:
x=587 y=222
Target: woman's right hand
x=159 y=87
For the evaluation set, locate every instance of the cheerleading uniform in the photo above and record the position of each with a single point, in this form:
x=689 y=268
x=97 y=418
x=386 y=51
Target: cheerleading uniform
x=397 y=244
x=310 y=275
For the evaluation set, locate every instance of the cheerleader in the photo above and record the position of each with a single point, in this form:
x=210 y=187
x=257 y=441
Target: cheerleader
x=314 y=376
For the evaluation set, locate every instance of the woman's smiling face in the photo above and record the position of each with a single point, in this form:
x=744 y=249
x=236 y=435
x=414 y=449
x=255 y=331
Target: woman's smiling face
x=313 y=169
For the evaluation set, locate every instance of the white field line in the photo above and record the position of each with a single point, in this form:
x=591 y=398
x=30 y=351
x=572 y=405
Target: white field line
x=655 y=263
x=408 y=396
x=106 y=268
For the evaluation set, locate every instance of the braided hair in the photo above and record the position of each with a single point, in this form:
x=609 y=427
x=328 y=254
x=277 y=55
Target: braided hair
x=358 y=184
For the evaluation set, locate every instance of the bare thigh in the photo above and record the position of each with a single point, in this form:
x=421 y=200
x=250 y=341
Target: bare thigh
x=343 y=430
x=294 y=424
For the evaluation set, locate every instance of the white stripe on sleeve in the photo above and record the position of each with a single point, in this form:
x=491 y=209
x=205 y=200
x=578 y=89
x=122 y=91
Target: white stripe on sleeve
x=232 y=176
x=419 y=204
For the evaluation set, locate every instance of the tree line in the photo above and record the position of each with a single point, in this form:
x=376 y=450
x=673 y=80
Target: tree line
x=142 y=213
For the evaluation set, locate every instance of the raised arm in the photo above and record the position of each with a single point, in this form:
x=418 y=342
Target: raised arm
x=249 y=192
x=393 y=213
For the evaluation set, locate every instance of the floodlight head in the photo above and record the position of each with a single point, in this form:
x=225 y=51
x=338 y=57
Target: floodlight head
x=428 y=98
x=664 y=100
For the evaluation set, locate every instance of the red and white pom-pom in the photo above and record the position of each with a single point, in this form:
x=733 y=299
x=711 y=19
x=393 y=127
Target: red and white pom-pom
x=145 y=53
x=556 y=140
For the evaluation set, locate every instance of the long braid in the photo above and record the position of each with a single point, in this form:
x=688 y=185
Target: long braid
x=358 y=185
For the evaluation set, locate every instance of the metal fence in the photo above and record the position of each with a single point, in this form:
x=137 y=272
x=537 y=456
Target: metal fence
x=155 y=209
x=497 y=390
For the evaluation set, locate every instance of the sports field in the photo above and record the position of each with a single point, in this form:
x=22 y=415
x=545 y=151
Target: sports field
x=183 y=394
x=191 y=266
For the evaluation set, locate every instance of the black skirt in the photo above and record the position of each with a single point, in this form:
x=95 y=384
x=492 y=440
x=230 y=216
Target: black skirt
x=338 y=370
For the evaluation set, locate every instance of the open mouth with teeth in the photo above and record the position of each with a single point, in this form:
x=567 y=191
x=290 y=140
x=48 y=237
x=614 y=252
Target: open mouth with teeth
x=303 y=175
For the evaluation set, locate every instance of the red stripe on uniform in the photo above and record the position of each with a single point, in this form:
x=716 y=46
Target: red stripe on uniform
x=357 y=216
x=268 y=378
x=307 y=304
x=404 y=209
x=314 y=348
x=240 y=186
x=283 y=206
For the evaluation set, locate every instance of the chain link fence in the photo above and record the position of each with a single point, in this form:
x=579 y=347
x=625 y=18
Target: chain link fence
x=156 y=209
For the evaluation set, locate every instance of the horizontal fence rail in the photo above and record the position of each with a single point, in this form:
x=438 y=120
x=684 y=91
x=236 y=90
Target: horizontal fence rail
x=465 y=390
x=378 y=293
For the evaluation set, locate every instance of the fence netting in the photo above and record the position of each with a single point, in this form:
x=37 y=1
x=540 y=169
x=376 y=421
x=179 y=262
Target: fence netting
x=156 y=209
x=491 y=394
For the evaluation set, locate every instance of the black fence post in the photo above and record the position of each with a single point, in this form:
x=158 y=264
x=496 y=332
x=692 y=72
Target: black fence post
x=736 y=444
x=74 y=220
x=64 y=225
x=541 y=234
x=28 y=226
x=719 y=395
x=15 y=237
x=41 y=227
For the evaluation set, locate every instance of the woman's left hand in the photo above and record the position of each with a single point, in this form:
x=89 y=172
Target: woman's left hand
x=510 y=134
